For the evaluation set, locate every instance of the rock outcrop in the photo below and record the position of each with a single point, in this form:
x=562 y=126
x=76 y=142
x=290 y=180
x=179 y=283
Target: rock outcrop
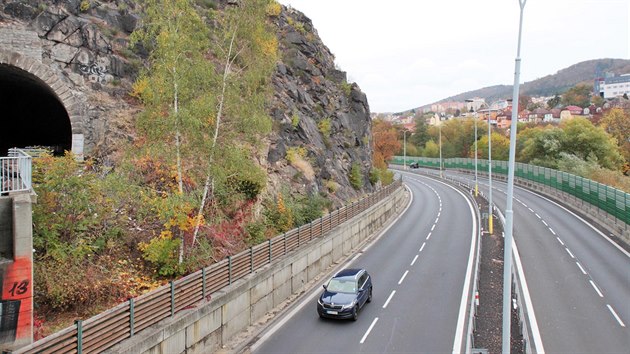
x=321 y=122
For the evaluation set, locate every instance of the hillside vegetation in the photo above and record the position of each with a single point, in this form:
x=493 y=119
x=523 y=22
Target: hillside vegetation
x=207 y=170
x=558 y=83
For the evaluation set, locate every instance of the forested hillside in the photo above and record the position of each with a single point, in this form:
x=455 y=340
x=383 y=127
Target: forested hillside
x=558 y=83
x=225 y=123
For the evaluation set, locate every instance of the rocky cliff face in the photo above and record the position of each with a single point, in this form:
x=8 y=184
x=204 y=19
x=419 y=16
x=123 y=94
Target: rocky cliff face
x=318 y=116
x=321 y=122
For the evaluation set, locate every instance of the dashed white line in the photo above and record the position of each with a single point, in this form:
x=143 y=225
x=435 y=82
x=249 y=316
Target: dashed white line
x=389 y=298
x=429 y=235
x=422 y=247
x=414 y=260
x=596 y=289
x=437 y=219
x=367 y=333
x=530 y=209
x=553 y=232
x=439 y=215
x=525 y=205
x=432 y=227
x=569 y=252
x=538 y=216
x=544 y=222
x=403 y=277
x=580 y=266
x=616 y=317
x=559 y=240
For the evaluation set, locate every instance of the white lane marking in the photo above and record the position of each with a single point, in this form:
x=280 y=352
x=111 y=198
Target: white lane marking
x=437 y=219
x=403 y=277
x=367 y=333
x=355 y=257
x=544 y=222
x=414 y=260
x=616 y=317
x=538 y=216
x=582 y=269
x=389 y=298
x=553 y=232
x=422 y=247
x=559 y=240
x=582 y=220
x=525 y=205
x=530 y=209
x=533 y=323
x=433 y=227
x=429 y=236
x=569 y=252
x=315 y=290
x=596 y=289
x=438 y=215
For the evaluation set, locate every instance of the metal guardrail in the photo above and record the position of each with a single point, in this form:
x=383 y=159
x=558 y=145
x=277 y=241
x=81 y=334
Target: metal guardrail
x=15 y=172
x=611 y=200
x=125 y=320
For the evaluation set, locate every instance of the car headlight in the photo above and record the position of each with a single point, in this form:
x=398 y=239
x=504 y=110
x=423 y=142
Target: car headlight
x=350 y=305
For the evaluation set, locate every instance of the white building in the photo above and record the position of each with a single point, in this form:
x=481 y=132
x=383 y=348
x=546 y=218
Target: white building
x=612 y=87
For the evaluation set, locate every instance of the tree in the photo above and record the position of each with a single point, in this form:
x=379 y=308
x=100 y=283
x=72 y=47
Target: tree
x=386 y=143
x=585 y=140
x=616 y=122
x=500 y=147
x=170 y=89
x=541 y=145
x=420 y=134
x=579 y=95
x=554 y=102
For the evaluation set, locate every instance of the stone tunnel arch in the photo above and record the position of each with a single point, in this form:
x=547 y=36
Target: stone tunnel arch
x=38 y=109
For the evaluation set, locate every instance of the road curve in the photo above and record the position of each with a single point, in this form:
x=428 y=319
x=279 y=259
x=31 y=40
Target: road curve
x=579 y=281
x=419 y=270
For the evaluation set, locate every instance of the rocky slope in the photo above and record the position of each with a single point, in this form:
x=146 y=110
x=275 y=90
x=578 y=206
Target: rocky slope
x=321 y=122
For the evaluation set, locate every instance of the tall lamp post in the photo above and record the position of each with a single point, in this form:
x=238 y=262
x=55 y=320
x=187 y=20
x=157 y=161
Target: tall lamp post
x=509 y=213
x=404 y=149
x=440 y=130
x=490 y=227
x=476 y=175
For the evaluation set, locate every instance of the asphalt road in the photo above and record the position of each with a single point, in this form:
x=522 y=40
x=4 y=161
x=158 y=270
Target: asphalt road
x=418 y=269
x=579 y=280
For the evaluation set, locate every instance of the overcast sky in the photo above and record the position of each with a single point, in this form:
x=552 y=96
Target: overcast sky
x=408 y=53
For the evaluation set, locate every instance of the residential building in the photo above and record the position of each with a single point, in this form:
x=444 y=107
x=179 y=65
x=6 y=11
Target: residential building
x=611 y=87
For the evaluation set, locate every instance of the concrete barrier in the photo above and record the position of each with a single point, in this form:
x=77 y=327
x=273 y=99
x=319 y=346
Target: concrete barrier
x=206 y=328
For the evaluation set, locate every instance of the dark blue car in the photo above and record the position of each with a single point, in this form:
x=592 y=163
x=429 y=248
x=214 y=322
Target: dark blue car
x=345 y=294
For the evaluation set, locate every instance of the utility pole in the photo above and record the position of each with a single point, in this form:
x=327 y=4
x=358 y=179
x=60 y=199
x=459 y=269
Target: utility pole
x=509 y=213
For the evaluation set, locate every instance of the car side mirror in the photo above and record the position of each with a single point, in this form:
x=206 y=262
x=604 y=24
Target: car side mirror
x=325 y=287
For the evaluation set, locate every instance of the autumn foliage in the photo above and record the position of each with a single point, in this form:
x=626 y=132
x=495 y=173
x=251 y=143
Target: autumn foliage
x=386 y=143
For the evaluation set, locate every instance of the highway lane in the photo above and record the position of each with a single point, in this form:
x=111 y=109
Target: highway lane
x=578 y=279
x=419 y=270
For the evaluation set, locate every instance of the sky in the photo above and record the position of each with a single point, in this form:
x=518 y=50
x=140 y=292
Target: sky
x=409 y=53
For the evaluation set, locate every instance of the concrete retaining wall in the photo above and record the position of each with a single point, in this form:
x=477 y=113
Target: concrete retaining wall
x=233 y=309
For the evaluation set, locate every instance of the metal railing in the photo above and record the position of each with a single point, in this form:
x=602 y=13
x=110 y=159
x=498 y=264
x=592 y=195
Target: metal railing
x=15 y=172
x=125 y=320
x=613 y=201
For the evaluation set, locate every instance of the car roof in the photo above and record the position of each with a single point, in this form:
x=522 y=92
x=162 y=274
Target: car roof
x=351 y=272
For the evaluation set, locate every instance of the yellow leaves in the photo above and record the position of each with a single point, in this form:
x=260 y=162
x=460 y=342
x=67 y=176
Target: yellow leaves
x=140 y=88
x=269 y=47
x=273 y=9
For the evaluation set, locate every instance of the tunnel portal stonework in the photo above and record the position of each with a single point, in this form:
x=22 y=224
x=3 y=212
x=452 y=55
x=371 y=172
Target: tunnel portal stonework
x=23 y=49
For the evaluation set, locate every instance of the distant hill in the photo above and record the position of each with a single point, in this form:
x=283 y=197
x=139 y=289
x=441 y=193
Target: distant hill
x=549 y=85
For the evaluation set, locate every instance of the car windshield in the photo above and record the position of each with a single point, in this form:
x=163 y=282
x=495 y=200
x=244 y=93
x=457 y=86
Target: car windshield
x=342 y=285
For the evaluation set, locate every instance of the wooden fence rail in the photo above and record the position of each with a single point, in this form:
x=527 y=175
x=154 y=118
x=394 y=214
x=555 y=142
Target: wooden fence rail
x=123 y=321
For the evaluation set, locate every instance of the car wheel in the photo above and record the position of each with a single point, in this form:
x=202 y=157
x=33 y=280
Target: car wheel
x=369 y=299
x=355 y=313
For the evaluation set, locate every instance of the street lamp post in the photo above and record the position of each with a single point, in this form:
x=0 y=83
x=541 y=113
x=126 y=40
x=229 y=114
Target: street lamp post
x=490 y=227
x=404 y=149
x=509 y=213
x=476 y=174
x=440 y=130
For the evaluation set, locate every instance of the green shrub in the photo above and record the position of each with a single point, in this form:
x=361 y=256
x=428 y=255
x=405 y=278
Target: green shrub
x=295 y=120
x=163 y=251
x=325 y=127
x=356 y=180
x=346 y=87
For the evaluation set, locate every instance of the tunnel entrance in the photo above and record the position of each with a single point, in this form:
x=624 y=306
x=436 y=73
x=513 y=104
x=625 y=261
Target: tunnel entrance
x=32 y=114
